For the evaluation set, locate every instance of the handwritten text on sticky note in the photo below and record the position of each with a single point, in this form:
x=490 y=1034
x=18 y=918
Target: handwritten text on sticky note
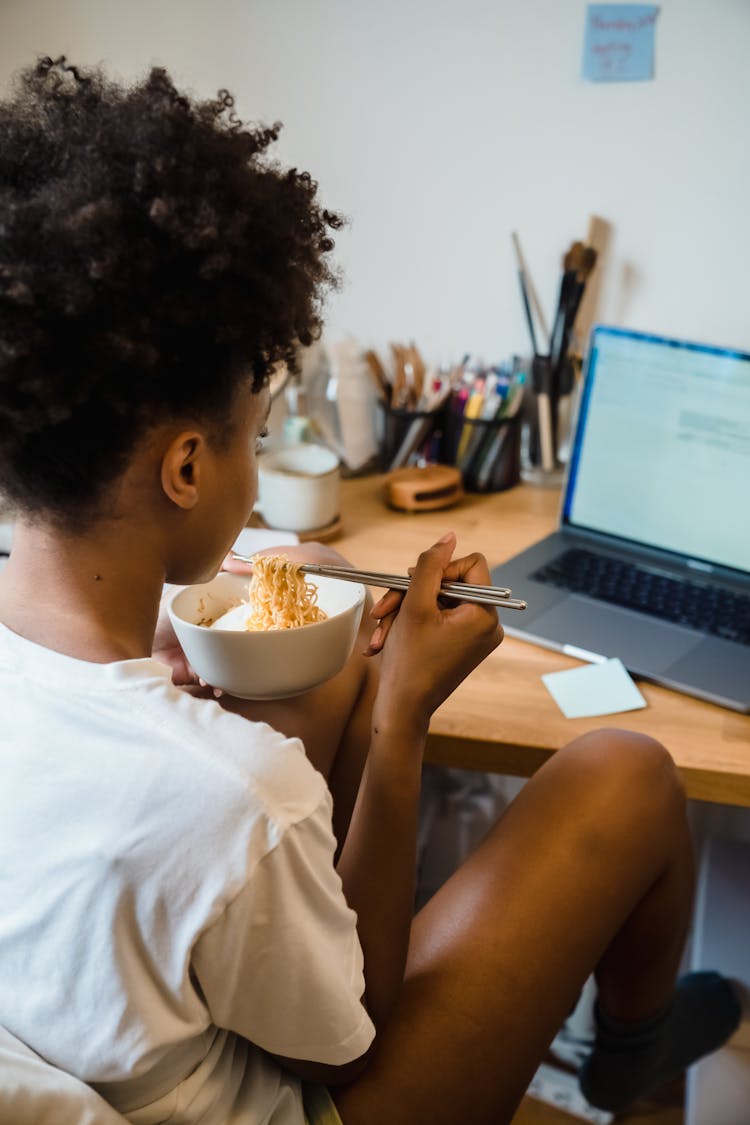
x=619 y=42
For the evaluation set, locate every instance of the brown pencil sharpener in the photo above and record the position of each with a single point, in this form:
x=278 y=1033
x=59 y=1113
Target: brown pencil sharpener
x=424 y=489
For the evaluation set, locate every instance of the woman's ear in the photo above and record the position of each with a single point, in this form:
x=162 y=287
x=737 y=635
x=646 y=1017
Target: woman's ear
x=181 y=469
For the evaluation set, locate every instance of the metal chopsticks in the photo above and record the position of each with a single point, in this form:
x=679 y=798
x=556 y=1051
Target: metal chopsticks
x=460 y=591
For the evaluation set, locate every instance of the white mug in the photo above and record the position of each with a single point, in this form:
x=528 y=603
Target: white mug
x=298 y=487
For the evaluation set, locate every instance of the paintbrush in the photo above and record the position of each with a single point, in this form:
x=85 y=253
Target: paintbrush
x=575 y=294
x=528 y=290
x=565 y=371
x=524 y=291
x=572 y=263
x=378 y=375
x=582 y=276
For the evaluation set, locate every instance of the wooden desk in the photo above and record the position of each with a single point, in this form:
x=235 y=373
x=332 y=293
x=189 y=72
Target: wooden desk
x=502 y=719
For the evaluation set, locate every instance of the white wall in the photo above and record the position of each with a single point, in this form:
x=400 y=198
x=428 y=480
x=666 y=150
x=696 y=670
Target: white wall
x=438 y=126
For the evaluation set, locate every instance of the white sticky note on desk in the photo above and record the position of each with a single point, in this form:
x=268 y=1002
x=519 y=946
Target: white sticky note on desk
x=595 y=689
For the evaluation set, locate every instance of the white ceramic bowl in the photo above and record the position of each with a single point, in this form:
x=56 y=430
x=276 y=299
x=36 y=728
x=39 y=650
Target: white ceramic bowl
x=272 y=664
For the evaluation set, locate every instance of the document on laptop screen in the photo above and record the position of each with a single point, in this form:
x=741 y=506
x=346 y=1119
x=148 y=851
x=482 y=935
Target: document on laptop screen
x=662 y=452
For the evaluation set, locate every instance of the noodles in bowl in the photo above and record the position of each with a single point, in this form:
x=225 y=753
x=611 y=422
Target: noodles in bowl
x=279 y=597
x=267 y=661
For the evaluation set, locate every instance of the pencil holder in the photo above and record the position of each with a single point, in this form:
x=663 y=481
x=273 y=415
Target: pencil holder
x=546 y=425
x=409 y=435
x=487 y=451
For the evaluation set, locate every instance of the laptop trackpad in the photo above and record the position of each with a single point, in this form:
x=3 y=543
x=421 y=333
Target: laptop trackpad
x=643 y=645
x=721 y=668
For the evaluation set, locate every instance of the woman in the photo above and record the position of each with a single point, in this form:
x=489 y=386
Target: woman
x=207 y=905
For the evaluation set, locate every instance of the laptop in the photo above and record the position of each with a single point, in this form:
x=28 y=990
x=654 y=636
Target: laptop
x=651 y=558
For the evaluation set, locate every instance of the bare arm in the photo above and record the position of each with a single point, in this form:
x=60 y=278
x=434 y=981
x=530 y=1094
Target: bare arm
x=427 y=649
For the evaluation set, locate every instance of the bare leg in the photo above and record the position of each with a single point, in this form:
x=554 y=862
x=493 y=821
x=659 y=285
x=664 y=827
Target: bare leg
x=590 y=867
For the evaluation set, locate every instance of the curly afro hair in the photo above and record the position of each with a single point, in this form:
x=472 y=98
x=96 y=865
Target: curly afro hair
x=152 y=258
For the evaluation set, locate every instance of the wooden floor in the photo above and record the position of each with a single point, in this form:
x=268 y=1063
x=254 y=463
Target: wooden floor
x=665 y=1110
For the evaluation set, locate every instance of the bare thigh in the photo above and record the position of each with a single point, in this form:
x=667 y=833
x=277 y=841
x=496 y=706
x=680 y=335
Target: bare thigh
x=498 y=956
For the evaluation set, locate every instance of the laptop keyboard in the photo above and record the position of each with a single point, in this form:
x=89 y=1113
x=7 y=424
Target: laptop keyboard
x=709 y=609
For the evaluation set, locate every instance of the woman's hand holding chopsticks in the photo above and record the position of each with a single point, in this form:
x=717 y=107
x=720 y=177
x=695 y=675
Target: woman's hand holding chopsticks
x=433 y=645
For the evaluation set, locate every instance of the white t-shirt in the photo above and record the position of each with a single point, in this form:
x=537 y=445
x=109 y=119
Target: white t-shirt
x=169 y=908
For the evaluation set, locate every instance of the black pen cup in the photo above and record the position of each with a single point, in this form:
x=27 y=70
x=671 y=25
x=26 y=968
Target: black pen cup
x=547 y=416
x=486 y=450
x=408 y=436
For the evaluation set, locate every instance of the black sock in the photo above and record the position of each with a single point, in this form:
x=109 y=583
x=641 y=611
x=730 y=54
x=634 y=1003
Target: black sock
x=630 y=1060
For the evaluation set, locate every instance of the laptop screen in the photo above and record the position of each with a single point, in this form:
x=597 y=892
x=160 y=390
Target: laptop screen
x=661 y=454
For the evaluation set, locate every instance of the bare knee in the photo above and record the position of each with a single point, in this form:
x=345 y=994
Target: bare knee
x=630 y=776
